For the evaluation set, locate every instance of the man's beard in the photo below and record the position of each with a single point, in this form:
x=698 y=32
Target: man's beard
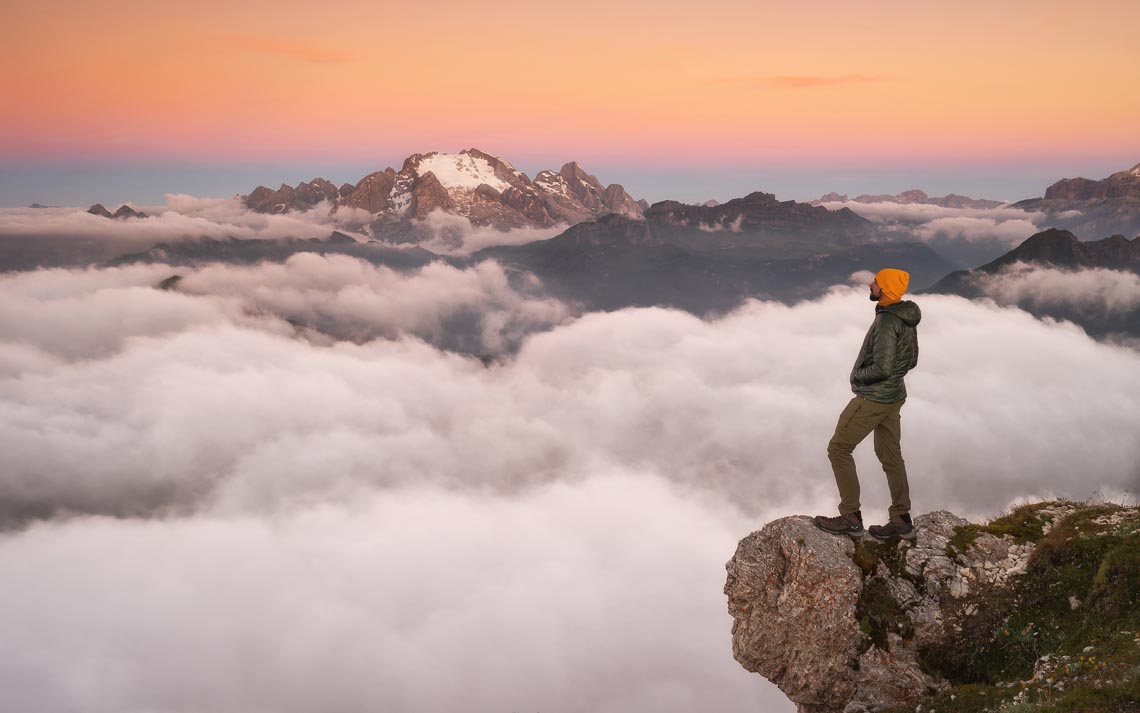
x=873 y=298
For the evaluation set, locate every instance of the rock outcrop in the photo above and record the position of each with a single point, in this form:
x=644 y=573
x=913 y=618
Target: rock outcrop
x=844 y=626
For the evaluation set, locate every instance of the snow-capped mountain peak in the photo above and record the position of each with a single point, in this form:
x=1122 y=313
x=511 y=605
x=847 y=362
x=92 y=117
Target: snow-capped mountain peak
x=460 y=170
x=478 y=186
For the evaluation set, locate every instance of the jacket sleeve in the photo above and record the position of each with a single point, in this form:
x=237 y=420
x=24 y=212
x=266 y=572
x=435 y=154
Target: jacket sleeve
x=914 y=359
x=883 y=356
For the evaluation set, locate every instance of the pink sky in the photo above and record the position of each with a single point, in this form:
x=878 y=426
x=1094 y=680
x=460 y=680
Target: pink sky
x=640 y=83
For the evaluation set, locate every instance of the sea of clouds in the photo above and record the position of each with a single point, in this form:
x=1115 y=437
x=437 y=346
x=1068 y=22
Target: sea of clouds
x=277 y=487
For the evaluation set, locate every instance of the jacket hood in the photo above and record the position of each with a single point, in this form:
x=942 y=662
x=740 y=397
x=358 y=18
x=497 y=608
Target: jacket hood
x=906 y=310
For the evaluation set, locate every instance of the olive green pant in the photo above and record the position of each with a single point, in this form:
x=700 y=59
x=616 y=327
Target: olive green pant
x=860 y=417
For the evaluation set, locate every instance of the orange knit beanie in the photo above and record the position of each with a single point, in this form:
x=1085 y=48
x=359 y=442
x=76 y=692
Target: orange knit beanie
x=893 y=284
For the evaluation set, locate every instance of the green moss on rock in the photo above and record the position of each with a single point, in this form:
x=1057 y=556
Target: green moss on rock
x=1023 y=524
x=879 y=614
x=1079 y=599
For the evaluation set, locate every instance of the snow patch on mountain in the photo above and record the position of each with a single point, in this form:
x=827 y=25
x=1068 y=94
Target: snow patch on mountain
x=552 y=182
x=401 y=196
x=461 y=171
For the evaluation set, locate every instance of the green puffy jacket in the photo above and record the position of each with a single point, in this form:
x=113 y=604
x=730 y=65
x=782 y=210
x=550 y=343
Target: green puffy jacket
x=889 y=351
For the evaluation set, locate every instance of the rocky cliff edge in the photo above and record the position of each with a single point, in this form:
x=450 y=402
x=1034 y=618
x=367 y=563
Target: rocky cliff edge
x=993 y=617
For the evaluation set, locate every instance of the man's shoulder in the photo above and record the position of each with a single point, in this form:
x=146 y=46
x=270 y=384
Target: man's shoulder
x=887 y=317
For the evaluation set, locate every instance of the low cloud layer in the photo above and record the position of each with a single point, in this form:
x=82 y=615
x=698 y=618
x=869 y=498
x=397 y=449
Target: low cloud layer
x=182 y=217
x=30 y=237
x=76 y=314
x=917 y=213
x=1105 y=292
x=721 y=403
x=602 y=595
x=1011 y=231
x=450 y=234
x=970 y=236
x=306 y=524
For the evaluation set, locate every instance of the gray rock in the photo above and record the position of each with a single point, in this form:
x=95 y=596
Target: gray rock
x=794 y=594
x=792 y=591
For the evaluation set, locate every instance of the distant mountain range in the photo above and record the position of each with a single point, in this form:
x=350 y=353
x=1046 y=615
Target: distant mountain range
x=1093 y=207
x=951 y=200
x=618 y=252
x=709 y=258
x=694 y=257
x=483 y=188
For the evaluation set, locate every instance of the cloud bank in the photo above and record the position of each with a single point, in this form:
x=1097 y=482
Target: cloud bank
x=1106 y=292
x=182 y=217
x=217 y=514
x=76 y=314
x=595 y=596
x=969 y=236
x=68 y=237
x=717 y=403
x=449 y=234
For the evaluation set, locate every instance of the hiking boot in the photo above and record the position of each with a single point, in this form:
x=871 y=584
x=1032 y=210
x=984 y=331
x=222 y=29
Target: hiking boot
x=898 y=526
x=849 y=524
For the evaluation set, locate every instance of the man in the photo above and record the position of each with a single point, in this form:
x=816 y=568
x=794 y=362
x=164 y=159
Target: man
x=889 y=351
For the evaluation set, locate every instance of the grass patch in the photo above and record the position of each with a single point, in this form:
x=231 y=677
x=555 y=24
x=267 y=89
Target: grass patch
x=1120 y=696
x=1024 y=523
x=961 y=699
x=1118 y=693
x=1097 y=564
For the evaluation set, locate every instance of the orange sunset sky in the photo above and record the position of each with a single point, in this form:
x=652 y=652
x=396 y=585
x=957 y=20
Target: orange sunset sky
x=607 y=83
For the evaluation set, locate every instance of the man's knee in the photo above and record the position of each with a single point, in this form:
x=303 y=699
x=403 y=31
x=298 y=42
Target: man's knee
x=884 y=448
x=837 y=447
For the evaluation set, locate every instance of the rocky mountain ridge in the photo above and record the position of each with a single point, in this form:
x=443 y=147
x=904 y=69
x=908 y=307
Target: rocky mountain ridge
x=950 y=200
x=1091 y=207
x=1118 y=185
x=124 y=212
x=707 y=259
x=852 y=626
x=482 y=188
x=1060 y=248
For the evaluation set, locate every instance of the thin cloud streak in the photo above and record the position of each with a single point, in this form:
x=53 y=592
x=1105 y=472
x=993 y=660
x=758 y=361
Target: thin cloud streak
x=811 y=81
x=294 y=49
